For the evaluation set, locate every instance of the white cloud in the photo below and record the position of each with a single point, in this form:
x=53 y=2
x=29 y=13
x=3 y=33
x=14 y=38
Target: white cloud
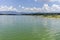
x=47 y=0
x=54 y=0
x=34 y=9
x=19 y=5
x=42 y=0
x=45 y=8
x=6 y=8
x=35 y=0
x=23 y=7
x=53 y=8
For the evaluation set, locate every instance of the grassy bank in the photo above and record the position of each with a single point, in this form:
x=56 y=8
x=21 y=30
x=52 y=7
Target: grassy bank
x=51 y=16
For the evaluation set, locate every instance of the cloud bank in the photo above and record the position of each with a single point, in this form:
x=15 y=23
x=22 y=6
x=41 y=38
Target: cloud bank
x=6 y=8
x=45 y=8
x=47 y=0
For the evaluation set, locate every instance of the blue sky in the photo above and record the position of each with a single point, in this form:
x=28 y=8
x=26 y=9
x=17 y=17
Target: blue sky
x=26 y=3
x=30 y=5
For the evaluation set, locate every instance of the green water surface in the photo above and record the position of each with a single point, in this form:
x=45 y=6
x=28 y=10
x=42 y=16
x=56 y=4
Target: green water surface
x=29 y=28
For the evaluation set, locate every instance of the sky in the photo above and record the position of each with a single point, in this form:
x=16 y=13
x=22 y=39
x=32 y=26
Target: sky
x=30 y=5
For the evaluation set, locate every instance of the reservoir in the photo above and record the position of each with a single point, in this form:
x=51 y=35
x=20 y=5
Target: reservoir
x=22 y=27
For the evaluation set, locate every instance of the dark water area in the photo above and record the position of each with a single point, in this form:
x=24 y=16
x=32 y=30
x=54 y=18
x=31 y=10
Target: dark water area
x=29 y=28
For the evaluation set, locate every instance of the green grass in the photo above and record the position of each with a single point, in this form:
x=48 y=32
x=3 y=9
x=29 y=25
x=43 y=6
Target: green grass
x=51 y=16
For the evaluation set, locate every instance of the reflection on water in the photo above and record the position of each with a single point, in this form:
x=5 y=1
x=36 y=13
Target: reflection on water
x=29 y=28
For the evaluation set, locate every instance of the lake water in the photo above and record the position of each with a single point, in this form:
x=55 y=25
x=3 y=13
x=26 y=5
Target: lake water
x=29 y=28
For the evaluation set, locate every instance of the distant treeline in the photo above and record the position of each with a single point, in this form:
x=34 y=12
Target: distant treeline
x=42 y=14
x=9 y=14
x=34 y=14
